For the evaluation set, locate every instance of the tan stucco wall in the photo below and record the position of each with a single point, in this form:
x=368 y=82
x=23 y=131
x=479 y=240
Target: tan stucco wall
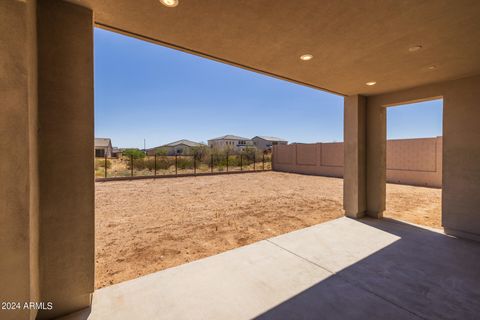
x=461 y=148
x=18 y=169
x=46 y=201
x=66 y=141
x=409 y=161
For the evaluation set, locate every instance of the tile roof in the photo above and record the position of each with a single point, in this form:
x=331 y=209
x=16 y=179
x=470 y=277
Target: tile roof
x=270 y=138
x=102 y=142
x=230 y=137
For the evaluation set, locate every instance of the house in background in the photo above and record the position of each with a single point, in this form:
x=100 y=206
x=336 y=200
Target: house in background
x=266 y=143
x=117 y=152
x=231 y=142
x=103 y=147
x=180 y=147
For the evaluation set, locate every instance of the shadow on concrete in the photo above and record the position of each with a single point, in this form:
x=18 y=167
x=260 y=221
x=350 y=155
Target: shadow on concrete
x=423 y=275
x=79 y=315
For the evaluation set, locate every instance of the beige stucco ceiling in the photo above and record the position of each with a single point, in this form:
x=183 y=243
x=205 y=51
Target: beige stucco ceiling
x=352 y=41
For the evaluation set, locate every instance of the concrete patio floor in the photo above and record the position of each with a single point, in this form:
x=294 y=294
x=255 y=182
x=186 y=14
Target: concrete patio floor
x=342 y=269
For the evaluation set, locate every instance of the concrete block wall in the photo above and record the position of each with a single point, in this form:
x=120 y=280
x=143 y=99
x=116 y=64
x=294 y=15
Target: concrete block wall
x=415 y=161
x=409 y=161
x=325 y=159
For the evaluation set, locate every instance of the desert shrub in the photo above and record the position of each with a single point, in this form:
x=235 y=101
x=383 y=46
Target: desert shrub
x=100 y=163
x=234 y=161
x=164 y=163
x=185 y=162
x=201 y=153
x=144 y=163
x=219 y=160
x=252 y=154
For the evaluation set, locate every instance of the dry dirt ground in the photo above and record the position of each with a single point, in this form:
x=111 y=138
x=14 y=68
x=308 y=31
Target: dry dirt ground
x=143 y=226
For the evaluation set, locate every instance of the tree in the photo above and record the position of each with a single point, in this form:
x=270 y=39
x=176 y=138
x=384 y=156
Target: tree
x=135 y=153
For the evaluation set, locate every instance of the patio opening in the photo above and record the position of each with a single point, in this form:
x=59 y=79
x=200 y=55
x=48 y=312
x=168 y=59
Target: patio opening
x=184 y=149
x=414 y=162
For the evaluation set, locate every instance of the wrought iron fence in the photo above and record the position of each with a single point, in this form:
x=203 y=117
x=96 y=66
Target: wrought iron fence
x=181 y=165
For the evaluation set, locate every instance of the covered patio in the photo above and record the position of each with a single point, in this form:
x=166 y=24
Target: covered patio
x=376 y=54
x=341 y=269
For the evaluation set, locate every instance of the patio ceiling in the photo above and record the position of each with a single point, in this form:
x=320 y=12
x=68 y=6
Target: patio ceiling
x=352 y=42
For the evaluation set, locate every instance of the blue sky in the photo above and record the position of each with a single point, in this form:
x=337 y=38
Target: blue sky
x=416 y=120
x=143 y=90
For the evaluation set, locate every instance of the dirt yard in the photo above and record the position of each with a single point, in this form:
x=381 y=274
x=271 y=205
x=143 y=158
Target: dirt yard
x=143 y=226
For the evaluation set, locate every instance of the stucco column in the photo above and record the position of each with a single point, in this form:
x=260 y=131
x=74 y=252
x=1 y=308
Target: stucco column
x=354 y=177
x=461 y=158
x=65 y=142
x=18 y=167
x=364 y=158
x=376 y=155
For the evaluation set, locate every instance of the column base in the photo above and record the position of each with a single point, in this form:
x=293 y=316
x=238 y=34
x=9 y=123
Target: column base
x=462 y=234
x=359 y=215
x=376 y=215
x=355 y=215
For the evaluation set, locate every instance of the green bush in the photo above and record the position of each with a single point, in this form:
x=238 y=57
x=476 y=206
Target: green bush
x=135 y=153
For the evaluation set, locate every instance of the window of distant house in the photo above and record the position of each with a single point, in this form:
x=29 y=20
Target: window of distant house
x=99 y=153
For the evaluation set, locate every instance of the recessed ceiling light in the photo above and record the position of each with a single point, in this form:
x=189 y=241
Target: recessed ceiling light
x=371 y=83
x=169 y=3
x=415 y=48
x=306 y=57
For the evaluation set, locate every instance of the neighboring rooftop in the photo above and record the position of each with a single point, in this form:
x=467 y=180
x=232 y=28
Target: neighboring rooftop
x=186 y=142
x=102 y=142
x=270 y=138
x=230 y=137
